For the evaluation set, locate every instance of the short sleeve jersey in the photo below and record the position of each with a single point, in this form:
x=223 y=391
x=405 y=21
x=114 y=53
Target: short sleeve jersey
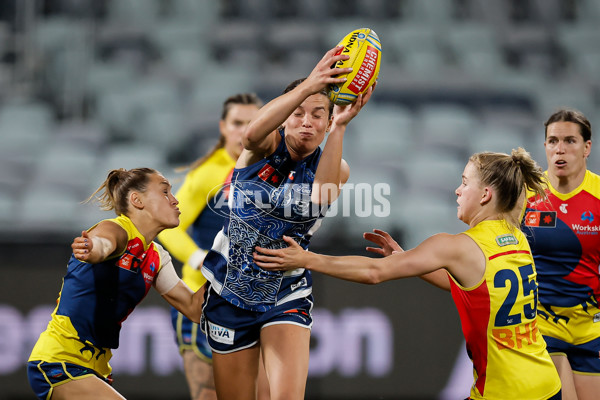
x=498 y=317
x=95 y=299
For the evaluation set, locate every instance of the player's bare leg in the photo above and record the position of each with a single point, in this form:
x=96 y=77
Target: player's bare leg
x=199 y=376
x=566 y=377
x=236 y=374
x=88 y=388
x=285 y=349
x=262 y=389
x=587 y=386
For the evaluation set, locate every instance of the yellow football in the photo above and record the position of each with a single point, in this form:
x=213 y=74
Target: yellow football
x=364 y=48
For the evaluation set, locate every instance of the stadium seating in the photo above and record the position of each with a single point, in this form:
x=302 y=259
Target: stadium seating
x=150 y=75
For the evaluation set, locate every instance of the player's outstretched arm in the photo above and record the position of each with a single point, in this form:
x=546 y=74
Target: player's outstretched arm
x=388 y=246
x=352 y=268
x=457 y=253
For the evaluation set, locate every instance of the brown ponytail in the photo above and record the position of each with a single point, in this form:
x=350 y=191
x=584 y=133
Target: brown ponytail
x=114 y=191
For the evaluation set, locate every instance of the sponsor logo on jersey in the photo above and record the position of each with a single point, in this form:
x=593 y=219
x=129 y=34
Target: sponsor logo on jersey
x=516 y=336
x=148 y=278
x=221 y=334
x=585 y=229
x=133 y=257
x=597 y=317
x=587 y=216
x=270 y=175
x=129 y=262
x=542 y=219
x=505 y=240
x=563 y=208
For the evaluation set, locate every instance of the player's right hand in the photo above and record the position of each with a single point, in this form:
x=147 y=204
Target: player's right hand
x=323 y=74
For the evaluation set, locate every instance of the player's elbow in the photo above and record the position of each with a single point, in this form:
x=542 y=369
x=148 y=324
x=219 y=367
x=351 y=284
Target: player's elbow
x=373 y=276
x=247 y=142
x=252 y=138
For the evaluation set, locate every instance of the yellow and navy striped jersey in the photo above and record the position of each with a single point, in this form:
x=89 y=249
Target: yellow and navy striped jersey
x=94 y=301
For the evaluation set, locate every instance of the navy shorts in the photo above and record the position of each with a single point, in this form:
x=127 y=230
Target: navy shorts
x=189 y=336
x=44 y=377
x=584 y=358
x=231 y=328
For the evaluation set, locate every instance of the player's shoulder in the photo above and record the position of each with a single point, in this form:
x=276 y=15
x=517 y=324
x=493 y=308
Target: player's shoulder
x=211 y=172
x=220 y=159
x=592 y=184
x=165 y=256
x=123 y=221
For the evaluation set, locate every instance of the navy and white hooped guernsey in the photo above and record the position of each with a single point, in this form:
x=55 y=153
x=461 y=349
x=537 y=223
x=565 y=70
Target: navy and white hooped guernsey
x=269 y=199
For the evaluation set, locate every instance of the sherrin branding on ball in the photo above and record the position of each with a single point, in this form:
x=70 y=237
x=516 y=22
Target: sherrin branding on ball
x=364 y=49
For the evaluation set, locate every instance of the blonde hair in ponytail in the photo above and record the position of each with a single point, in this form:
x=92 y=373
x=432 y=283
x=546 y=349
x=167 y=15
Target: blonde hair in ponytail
x=510 y=175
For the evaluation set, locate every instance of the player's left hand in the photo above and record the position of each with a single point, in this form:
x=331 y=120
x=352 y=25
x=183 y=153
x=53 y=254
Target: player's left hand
x=342 y=115
x=291 y=257
x=387 y=245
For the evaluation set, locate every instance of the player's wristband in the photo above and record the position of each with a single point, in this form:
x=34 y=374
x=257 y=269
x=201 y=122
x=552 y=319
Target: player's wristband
x=197 y=258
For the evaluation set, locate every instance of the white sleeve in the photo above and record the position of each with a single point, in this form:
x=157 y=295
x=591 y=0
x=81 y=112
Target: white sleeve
x=165 y=257
x=167 y=278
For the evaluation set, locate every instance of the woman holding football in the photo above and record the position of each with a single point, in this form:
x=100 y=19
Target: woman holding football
x=282 y=185
x=203 y=204
x=564 y=239
x=490 y=270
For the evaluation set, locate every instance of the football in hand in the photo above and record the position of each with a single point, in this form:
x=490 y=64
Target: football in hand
x=364 y=49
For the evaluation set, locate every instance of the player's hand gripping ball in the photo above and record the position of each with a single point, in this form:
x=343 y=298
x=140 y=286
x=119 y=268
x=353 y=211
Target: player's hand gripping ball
x=364 y=49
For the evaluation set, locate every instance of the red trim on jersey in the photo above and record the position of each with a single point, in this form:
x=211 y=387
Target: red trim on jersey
x=509 y=252
x=474 y=310
x=295 y=310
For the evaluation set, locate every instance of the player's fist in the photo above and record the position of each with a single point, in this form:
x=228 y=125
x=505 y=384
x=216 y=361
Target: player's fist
x=82 y=246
